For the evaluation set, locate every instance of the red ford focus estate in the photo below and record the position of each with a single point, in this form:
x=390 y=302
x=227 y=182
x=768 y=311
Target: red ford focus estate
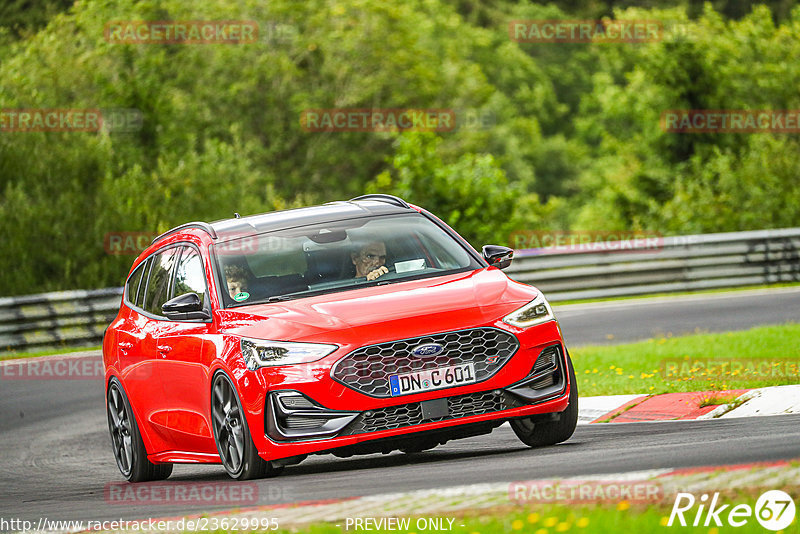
x=349 y=328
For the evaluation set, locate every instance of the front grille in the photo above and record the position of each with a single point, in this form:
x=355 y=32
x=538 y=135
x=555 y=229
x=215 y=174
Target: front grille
x=411 y=414
x=367 y=369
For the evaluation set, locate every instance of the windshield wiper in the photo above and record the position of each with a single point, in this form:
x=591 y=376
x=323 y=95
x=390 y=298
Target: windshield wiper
x=280 y=298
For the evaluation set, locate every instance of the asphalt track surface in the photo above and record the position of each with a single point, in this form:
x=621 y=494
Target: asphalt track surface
x=56 y=459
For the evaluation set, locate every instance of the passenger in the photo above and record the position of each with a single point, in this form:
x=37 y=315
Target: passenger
x=369 y=260
x=236 y=277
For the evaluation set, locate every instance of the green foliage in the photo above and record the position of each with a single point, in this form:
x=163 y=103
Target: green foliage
x=23 y=17
x=643 y=177
x=572 y=141
x=471 y=193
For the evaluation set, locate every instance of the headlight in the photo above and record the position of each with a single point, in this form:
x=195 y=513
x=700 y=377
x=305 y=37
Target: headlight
x=264 y=353
x=535 y=312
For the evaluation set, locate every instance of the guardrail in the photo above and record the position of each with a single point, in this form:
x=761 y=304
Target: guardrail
x=661 y=265
x=67 y=318
x=669 y=264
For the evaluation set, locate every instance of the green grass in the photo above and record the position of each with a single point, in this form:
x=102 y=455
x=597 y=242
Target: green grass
x=675 y=294
x=613 y=518
x=644 y=367
x=718 y=399
x=45 y=352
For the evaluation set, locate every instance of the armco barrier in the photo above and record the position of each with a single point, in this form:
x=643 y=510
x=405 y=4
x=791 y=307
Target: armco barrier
x=68 y=318
x=678 y=263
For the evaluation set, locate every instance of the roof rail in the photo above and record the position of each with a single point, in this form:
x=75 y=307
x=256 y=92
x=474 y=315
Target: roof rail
x=391 y=199
x=207 y=228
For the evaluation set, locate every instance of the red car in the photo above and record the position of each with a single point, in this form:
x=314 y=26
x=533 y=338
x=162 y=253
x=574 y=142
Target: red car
x=348 y=328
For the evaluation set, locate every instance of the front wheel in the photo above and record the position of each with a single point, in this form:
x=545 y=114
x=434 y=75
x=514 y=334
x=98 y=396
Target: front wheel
x=551 y=432
x=232 y=436
x=129 y=450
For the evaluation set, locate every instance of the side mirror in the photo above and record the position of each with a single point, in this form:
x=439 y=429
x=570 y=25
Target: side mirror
x=183 y=307
x=498 y=256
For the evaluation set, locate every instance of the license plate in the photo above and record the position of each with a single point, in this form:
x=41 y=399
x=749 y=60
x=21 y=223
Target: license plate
x=439 y=378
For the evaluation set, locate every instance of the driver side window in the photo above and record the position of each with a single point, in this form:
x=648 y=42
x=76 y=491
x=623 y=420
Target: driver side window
x=161 y=271
x=190 y=276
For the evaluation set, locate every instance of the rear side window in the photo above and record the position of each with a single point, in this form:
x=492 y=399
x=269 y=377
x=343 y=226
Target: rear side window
x=132 y=287
x=139 y=302
x=158 y=285
x=190 y=276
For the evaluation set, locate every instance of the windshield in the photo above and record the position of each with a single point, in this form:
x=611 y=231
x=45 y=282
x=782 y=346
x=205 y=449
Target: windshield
x=336 y=256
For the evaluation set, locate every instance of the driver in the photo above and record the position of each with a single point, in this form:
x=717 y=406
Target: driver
x=236 y=278
x=369 y=260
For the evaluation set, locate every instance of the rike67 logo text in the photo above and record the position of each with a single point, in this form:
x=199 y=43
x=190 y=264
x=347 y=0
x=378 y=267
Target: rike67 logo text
x=774 y=510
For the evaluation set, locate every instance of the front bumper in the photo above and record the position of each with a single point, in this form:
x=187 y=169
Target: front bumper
x=300 y=417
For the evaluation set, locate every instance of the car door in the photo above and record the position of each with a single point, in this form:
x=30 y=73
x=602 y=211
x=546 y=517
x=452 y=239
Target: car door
x=186 y=354
x=151 y=372
x=136 y=359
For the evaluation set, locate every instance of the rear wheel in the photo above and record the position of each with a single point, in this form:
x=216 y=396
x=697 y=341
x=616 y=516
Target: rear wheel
x=234 y=443
x=551 y=432
x=129 y=450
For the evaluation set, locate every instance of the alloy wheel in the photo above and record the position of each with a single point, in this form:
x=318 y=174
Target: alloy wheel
x=120 y=424
x=228 y=427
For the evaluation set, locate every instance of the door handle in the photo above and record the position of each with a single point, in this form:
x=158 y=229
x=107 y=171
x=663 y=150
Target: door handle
x=164 y=349
x=125 y=344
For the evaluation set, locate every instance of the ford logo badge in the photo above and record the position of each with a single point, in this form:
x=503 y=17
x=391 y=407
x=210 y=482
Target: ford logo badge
x=427 y=349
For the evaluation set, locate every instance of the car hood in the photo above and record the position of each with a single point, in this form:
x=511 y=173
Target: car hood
x=393 y=311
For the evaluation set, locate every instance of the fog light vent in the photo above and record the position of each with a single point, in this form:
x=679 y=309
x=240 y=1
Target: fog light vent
x=545 y=360
x=544 y=382
x=295 y=402
x=299 y=422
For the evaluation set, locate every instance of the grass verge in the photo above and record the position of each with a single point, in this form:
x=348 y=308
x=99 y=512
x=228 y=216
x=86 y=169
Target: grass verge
x=759 y=357
x=603 y=518
x=45 y=352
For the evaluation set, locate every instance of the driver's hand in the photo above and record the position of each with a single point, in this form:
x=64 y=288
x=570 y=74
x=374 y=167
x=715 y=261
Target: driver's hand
x=380 y=271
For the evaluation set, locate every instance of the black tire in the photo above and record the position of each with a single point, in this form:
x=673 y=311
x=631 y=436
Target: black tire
x=551 y=432
x=232 y=436
x=129 y=450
